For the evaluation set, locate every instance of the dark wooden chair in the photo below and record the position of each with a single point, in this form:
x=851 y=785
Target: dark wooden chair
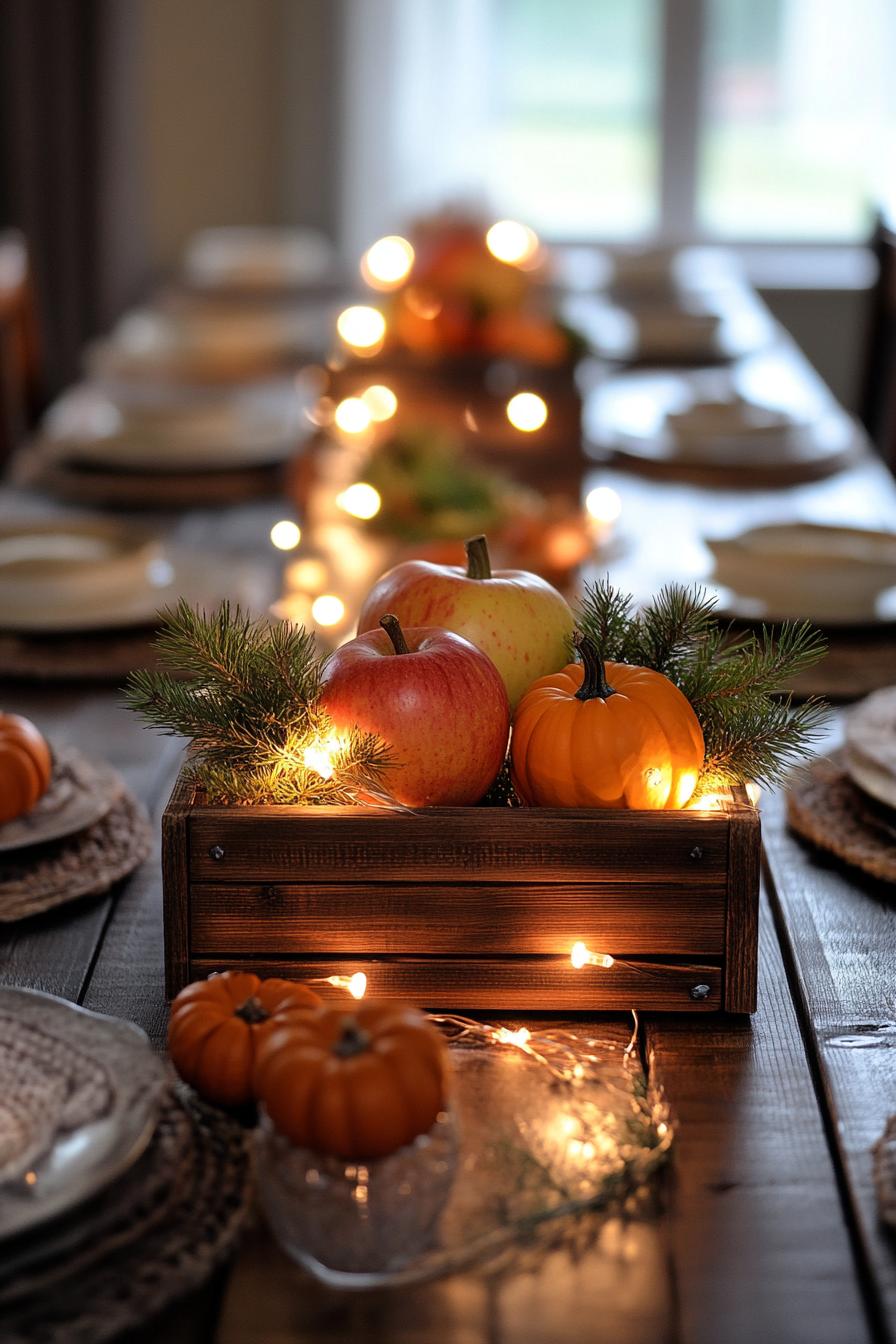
x=877 y=403
x=20 y=356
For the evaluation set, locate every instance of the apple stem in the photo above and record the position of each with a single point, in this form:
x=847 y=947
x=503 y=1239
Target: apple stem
x=479 y=566
x=393 y=629
x=594 y=683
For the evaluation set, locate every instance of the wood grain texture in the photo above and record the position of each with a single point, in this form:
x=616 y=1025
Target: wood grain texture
x=175 y=881
x=457 y=844
x=513 y=984
x=839 y=929
x=753 y=1183
x=742 y=915
x=472 y=918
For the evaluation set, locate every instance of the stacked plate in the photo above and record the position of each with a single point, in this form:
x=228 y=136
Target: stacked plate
x=210 y=343
x=690 y=329
x=258 y=260
x=63 y=575
x=80 y=1102
x=870 y=746
x=831 y=576
x=754 y=417
x=163 y=433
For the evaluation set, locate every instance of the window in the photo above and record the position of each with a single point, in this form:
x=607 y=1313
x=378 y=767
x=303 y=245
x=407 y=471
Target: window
x=748 y=120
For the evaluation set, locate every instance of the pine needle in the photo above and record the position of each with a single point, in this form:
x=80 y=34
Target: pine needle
x=247 y=694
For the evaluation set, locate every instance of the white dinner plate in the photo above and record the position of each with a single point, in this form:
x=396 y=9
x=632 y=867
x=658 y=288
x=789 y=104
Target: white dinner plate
x=718 y=418
x=253 y=259
x=81 y=792
x=83 y=1135
x=63 y=576
x=253 y=426
x=831 y=576
x=870 y=743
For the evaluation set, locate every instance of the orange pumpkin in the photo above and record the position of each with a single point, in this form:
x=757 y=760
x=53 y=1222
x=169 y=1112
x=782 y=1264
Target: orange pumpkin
x=605 y=736
x=25 y=766
x=217 y=1026
x=354 y=1084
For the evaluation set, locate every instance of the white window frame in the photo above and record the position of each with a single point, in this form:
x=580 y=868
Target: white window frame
x=370 y=46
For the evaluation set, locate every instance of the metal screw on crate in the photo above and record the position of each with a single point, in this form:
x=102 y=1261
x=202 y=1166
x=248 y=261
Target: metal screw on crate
x=699 y=991
x=696 y=853
x=216 y=852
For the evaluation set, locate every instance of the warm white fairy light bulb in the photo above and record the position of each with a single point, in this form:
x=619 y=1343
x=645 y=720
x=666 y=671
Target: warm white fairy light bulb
x=387 y=262
x=360 y=500
x=381 y=402
x=582 y=956
x=603 y=504
x=286 y=535
x=352 y=416
x=512 y=242
x=361 y=327
x=527 y=411
x=328 y=609
x=355 y=984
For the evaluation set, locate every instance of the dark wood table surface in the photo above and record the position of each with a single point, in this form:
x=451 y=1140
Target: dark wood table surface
x=769 y=1229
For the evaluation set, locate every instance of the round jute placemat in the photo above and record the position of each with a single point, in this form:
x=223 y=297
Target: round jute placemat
x=884 y=1161
x=853 y=667
x=824 y=806
x=152 y=1236
x=102 y=655
x=86 y=864
x=37 y=469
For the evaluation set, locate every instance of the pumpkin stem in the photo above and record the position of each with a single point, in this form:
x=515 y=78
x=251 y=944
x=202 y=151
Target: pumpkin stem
x=354 y=1040
x=251 y=1012
x=594 y=683
x=392 y=627
x=479 y=566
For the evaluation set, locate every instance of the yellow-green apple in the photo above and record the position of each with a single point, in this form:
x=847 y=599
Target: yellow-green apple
x=519 y=620
x=436 y=701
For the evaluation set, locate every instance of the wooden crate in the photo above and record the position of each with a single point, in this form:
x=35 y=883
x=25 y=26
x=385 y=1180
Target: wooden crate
x=471 y=908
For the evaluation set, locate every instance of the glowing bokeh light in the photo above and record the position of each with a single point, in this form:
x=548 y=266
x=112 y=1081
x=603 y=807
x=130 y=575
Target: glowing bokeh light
x=511 y=242
x=361 y=327
x=286 y=535
x=603 y=504
x=387 y=262
x=527 y=411
x=352 y=416
x=360 y=500
x=381 y=402
x=328 y=609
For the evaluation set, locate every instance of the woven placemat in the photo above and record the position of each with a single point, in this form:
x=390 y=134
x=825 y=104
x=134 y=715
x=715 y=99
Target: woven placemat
x=36 y=469
x=825 y=807
x=884 y=1161
x=151 y=1237
x=87 y=864
x=854 y=666
x=102 y=655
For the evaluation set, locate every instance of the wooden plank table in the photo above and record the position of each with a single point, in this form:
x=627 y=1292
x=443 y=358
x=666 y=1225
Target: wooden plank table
x=768 y=1228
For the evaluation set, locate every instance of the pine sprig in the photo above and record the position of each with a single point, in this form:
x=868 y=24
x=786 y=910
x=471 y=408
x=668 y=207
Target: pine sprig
x=734 y=683
x=247 y=695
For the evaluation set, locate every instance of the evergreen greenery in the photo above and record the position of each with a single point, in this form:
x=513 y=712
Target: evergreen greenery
x=752 y=731
x=246 y=692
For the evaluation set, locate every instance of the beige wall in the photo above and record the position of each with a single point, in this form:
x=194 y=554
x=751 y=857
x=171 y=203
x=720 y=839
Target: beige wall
x=208 y=108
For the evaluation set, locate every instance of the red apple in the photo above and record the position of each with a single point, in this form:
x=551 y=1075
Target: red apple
x=521 y=622
x=434 y=698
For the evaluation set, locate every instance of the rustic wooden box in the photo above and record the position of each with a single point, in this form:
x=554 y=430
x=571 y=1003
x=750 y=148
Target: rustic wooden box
x=471 y=908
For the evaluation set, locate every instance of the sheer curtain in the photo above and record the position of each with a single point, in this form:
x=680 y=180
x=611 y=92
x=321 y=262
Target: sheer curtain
x=416 y=108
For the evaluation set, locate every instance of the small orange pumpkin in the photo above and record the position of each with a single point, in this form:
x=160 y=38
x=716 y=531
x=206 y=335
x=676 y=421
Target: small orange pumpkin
x=356 y=1084
x=217 y=1026
x=611 y=735
x=25 y=766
